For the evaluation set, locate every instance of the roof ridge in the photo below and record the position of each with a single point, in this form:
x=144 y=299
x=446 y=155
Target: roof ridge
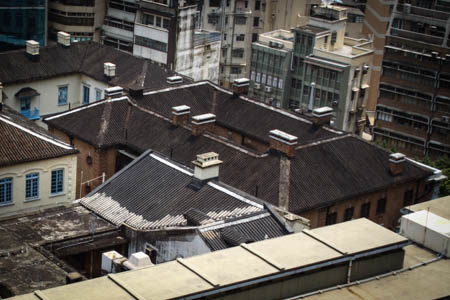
x=39 y=135
x=105 y=121
x=323 y=141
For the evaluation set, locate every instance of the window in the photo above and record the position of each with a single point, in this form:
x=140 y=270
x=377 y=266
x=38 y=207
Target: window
x=85 y=94
x=365 y=210
x=239 y=52
x=150 y=43
x=257 y=5
x=407 y=197
x=98 y=94
x=381 y=206
x=254 y=37
x=235 y=70
x=348 y=214
x=255 y=21
x=57 y=181
x=32 y=186
x=5 y=191
x=331 y=219
x=62 y=95
x=280 y=83
x=240 y=20
x=240 y=37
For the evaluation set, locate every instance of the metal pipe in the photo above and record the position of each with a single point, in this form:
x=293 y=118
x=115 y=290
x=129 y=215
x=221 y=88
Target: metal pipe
x=311 y=96
x=349 y=273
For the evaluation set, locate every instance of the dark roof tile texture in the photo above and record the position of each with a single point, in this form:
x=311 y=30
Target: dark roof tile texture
x=149 y=194
x=252 y=228
x=253 y=119
x=86 y=58
x=321 y=173
x=23 y=141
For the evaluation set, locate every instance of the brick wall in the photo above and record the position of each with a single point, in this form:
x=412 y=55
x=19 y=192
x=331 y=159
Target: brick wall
x=394 y=202
x=101 y=160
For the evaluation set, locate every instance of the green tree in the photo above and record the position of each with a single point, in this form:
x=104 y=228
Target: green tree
x=443 y=164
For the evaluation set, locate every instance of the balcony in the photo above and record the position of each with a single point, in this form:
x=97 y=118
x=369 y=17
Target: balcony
x=440 y=138
x=406 y=83
x=32 y=114
x=402 y=129
x=405 y=107
x=415 y=36
x=424 y=12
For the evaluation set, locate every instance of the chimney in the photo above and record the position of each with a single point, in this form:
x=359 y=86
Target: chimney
x=201 y=122
x=113 y=92
x=180 y=114
x=109 y=70
x=283 y=142
x=240 y=87
x=396 y=163
x=206 y=167
x=174 y=79
x=32 y=50
x=322 y=115
x=64 y=39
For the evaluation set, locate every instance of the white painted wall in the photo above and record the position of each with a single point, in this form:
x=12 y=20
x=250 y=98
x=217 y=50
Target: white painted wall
x=186 y=246
x=154 y=33
x=44 y=168
x=47 y=101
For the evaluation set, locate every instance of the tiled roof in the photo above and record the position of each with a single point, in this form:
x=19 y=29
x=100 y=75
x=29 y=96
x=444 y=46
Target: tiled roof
x=23 y=141
x=238 y=113
x=86 y=58
x=256 y=227
x=322 y=172
x=153 y=192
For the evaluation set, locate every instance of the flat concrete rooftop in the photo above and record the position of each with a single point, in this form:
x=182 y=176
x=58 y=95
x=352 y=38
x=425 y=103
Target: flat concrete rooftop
x=238 y=265
x=439 y=206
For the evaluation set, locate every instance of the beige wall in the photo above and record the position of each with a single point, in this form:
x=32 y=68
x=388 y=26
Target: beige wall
x=47 y=101
x=44 y=168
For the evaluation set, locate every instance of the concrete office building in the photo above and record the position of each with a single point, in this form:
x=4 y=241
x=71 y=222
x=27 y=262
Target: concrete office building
x=82 y=19
x=314 y=66
x=413 y=110
x=20 y=22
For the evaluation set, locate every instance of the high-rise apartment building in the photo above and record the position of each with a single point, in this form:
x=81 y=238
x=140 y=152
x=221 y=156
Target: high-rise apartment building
x=20 y=21
x=82 y=19
x=376 y=22
x=413 y=110
x=314 y=66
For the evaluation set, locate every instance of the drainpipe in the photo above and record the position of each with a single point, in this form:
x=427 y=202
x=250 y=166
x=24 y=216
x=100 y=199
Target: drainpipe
x=311 y=96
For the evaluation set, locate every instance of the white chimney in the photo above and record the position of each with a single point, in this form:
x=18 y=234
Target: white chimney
x=206 y=166
x=64 y=38
x=109 y=70
x=113 y=91
x=174 y=79
x=33 y=49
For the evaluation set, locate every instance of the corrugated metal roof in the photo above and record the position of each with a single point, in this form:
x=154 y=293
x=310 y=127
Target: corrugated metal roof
x=153 y=193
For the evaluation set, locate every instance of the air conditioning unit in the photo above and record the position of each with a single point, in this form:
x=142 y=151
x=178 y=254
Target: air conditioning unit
x=275 y=45
x=257 y=86
x=268 y=89
x=407 y=8
x=446 y=119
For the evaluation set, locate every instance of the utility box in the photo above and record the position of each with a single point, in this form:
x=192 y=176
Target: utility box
x=111 y=260
x=427 y=229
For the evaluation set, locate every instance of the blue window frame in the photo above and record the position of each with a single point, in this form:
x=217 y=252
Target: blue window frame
x=62 y=95
x=57 y=181
x=5 y=190
x=32 y=186
x=98 y=94
x=85 y=94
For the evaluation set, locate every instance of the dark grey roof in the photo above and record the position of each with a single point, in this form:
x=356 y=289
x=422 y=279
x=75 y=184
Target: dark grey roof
x=154 y=192
x=256 y=227
x=337 y=168
x=21 y=140
x=252 y=118
x=86 y=58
